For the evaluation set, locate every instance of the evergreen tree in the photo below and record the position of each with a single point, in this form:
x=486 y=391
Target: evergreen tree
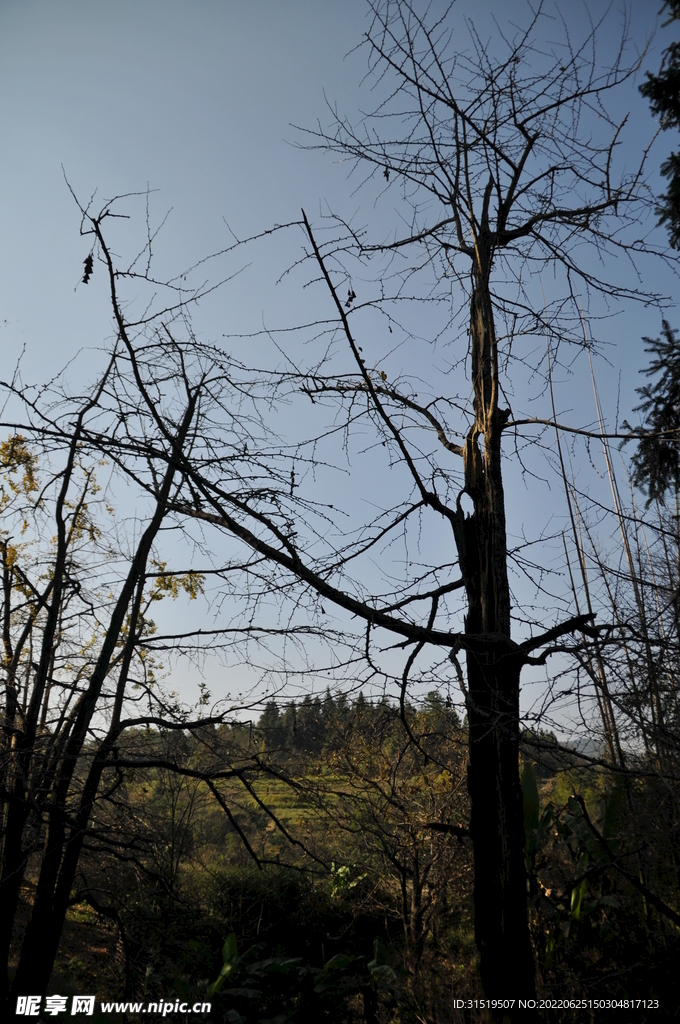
x=663 y=92
x=310 y=725
x=271 y=726
x=656 y=463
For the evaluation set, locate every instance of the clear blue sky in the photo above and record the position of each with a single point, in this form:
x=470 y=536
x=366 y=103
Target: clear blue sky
x=195 y=98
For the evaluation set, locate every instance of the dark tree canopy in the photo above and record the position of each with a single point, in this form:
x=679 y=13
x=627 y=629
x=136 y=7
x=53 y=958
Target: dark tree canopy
x=656 y=463
x=663 y=93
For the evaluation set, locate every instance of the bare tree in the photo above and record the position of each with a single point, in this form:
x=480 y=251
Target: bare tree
x=81 y=580
x=631 y=578
x=504 y=147
x=506 y=160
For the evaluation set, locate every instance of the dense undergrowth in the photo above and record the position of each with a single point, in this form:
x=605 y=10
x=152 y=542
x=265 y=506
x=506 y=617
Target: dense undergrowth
x=337 y=884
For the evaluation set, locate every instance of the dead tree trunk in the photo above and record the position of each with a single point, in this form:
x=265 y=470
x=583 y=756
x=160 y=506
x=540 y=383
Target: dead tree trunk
x=497 y=824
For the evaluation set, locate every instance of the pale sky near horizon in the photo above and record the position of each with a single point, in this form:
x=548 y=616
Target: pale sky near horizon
x=197 y=99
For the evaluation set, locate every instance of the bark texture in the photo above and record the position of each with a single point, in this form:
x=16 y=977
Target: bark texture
x=493 y=670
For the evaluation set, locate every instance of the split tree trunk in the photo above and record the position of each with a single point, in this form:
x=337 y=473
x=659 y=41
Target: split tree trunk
x=493 y=670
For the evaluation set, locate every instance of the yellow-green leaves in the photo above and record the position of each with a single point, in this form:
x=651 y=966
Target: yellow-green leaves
x=170 y=584
x=230 y=956
x=18 y=466
x=578 y=892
